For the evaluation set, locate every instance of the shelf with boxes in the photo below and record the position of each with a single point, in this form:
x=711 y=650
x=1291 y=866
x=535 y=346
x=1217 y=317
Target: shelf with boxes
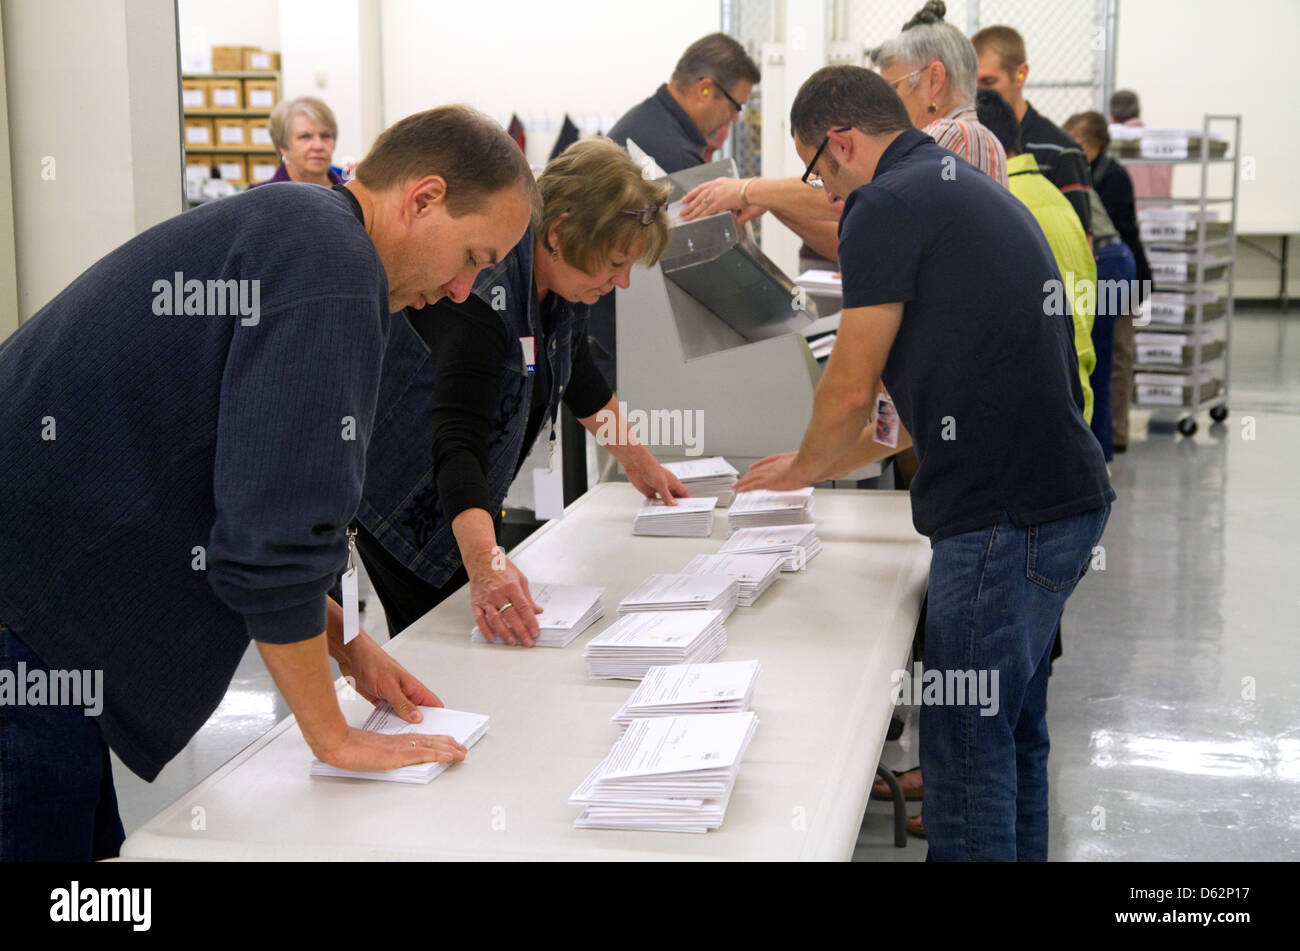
x=1183 y=347
x=226 y=116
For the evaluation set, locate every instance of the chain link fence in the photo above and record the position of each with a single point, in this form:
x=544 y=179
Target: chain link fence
x=1066 y=43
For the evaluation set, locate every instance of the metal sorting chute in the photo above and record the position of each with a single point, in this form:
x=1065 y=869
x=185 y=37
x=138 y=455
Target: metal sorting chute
x=719 y=264
x=715 y=329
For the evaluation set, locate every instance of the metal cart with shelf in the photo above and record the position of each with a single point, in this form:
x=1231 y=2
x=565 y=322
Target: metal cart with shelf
x=1192 y=255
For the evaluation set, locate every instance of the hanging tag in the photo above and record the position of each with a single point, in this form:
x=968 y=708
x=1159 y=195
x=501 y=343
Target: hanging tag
x=351 y=613
x=886 y=420
x=530 y=353
x=548 y=494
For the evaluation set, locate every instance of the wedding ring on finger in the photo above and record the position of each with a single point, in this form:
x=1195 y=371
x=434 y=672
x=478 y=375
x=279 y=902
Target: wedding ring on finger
x=502 y=609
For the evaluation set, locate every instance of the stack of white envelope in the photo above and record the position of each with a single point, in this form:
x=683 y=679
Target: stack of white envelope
x=687 y=689
x=465 y=728
x=798 y=543
x=567 y=611
x=754 y=573
x=713 y=476
x=683 y=592
x=765 y=508
x=689 y=518
x=667 y=774
x=632 y=645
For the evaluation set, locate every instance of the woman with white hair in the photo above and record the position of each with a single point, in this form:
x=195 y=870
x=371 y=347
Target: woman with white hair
x=932 y=67
x=304 y=133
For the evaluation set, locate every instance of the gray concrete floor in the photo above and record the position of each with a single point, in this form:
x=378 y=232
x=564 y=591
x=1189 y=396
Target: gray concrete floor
x=1175 y=712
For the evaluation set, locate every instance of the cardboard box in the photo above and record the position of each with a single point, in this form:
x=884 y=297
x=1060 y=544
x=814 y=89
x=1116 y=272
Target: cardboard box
x=261 y=94
x=230 y=132
x=225 y=94
x=199 y=160
x=230 y=58
x=261 y=60
x=262 y=167
x=198 y=134
x=258 y=132
x=232 y=169
x=194 y=94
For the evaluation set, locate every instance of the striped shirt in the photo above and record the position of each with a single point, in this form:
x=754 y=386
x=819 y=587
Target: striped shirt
x=960 y=131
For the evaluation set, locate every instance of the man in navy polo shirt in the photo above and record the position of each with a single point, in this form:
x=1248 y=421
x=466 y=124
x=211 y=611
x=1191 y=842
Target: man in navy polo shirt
x=946 y=301
x=709 y=85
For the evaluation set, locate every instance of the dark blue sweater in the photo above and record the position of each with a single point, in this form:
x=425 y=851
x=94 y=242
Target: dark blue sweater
x=172 y=484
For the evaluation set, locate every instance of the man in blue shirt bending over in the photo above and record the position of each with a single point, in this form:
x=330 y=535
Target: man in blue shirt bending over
x=184 y=435
x=948 y=301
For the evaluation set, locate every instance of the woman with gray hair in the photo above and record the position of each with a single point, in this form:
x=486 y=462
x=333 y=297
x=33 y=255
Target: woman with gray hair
x=932 y=67
x=304 y=132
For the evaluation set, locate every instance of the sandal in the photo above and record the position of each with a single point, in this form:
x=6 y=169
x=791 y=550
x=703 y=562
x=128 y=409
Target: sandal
x=880 y=789
x=915 y=826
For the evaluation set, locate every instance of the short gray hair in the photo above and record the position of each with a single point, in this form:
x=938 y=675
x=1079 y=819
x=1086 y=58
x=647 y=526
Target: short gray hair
x=927 y=38
x=720 y=58
x=281 y=119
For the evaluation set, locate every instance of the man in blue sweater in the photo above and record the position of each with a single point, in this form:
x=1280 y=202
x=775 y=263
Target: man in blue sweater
x=184 y=441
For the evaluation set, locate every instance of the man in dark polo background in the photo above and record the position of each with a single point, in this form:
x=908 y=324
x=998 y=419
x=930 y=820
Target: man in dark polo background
x=711 y=83
x=944 y=274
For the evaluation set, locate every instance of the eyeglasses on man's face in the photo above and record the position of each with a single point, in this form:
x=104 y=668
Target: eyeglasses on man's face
x=816 y=180
x=731 y=99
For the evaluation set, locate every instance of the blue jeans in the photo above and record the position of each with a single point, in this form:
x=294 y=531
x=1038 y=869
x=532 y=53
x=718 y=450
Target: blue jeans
x=996 y=596
x=1115 y=262
x=57 y=801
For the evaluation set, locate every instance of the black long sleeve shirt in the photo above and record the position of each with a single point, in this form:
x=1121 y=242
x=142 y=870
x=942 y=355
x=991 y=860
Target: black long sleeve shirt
x=469 y=343
x=1114 y=187
x=1060 y=160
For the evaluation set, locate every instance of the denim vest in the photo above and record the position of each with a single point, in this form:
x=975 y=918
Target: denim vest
x=400 y=505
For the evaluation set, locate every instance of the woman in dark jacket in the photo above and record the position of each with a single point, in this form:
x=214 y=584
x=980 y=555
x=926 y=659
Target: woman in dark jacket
x=1114 y=187
x=467 y=388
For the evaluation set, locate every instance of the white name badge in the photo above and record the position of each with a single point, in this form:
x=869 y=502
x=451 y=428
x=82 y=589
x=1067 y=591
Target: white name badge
x=351 y=614
x=548 y=494
x=530 y=353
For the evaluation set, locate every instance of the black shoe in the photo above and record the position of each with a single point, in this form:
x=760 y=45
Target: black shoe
x=1120 y=447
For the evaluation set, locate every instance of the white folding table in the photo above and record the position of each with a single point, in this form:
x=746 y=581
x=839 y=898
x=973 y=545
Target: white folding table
x=828 y=639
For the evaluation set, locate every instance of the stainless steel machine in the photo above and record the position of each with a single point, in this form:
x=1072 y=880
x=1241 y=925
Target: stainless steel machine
x=717 y=330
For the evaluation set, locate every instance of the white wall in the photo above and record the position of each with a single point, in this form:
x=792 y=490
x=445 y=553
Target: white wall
x=591 y=57
x=208 y=23
x=330 y=49
x=92 y=165
x=1209 y=56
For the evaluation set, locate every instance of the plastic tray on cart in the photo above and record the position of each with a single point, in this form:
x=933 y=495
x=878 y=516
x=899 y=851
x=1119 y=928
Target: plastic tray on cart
x=1173 y=389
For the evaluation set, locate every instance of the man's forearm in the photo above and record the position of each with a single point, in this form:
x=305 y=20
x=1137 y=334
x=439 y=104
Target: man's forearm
x=866 y=451
x=839 y=416
x=302 y=673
